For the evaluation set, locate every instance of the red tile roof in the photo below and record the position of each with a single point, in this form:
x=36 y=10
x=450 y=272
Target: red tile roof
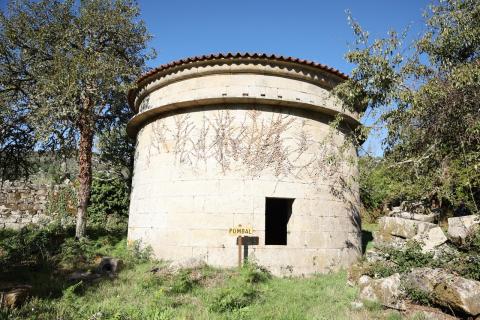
x=132 y=93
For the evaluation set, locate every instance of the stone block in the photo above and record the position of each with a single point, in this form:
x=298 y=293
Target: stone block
x=431 y=217
x=447 y=289
x=460 y=227
x=387 y=291
x=404 y=228
x=431 y=239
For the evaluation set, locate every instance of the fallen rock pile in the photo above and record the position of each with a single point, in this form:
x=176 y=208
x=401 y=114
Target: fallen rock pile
x=442 y=288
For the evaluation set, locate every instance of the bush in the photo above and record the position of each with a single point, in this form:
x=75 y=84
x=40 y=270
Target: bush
x=253 y=273
x=109 y=202
x=418 y=296
x=183 y=282
x=240 y=291
x=31 y=245
x=233 y=297
x=63 y=203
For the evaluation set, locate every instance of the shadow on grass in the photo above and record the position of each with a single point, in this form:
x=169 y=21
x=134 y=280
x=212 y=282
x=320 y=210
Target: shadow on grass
x=33 y=257
x=367 y=238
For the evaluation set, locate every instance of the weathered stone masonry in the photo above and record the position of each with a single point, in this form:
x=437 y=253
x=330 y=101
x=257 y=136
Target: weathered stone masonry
x=21 y=204
x=232 y=140
x=26 y=203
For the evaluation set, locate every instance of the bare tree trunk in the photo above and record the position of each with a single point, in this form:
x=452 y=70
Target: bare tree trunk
x=85 y=173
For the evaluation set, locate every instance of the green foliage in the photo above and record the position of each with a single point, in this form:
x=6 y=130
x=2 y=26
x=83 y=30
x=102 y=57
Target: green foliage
x=418 y=296
x=116 y=150
x=253 y=273
x=241 y=291
x=63 y=203
x=400 y=260
x=109 y=201
x=410 y=257
x=69 y=65
x=237 y=295
x=430 y=107
x=183 y=282
x=16 y=139
x=379 y=269
x=377 y=184
x=31 y=245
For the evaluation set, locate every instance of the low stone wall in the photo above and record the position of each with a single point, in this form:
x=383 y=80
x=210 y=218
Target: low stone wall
x=24 y=203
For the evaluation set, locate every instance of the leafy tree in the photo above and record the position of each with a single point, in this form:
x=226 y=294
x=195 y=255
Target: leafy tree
x=117 y=152
x=16 y=142
x=72 y=63
x=428 y=97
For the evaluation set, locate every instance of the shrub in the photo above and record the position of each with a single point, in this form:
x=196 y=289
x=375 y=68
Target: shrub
x=109 y=201
x=233 y=297
x=63 y=203
x=380 y=269
x=253 y=273
x=418 y=296
x=410 y=257
x=183 y=282
x=241 y=290
x=31 y=245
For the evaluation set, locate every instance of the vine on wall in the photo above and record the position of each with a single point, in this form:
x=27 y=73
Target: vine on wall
x=254 y=143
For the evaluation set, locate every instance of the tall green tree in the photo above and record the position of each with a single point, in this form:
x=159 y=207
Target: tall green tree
x=72 y=63
x=427 y=94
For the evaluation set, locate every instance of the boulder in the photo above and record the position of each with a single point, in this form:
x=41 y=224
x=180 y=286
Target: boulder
x=446 y=289
x=109 y=265
x=415 y=311
x=460 y=227
x=14 y=297
x=386 y=291
x=384 y=239
x=431 y=217
x=431 y=239
x=404 y=228
x=373 y=255
x=445 y=251
x=192 y=263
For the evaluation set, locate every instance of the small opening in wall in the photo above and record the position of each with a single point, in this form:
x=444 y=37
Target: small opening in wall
x=224 y=94
x=277 y=215
x=245 y=94
x=279 y=97
x=262 y=94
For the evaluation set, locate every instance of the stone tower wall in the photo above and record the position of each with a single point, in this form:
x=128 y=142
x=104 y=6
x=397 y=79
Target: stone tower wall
x=215 y=139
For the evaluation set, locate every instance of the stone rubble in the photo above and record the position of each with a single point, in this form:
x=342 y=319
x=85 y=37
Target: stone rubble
x=402 y=227
x=387 y=291
x=460 y=227
x=23 y=203
x=445 y=289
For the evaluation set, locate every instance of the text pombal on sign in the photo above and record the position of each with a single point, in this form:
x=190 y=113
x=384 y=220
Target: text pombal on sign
x=240 y=230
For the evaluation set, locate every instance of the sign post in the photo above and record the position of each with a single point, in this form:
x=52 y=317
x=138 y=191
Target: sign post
x=243 y=239
x=239 y=243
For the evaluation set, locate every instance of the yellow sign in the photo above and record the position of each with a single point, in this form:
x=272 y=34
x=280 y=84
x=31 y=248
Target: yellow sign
x=240 y=230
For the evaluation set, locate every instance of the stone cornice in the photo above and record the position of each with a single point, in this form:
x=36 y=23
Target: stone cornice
x=319 y=74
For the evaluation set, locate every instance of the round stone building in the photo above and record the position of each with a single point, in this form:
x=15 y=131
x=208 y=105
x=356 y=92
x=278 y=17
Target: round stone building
x=233 y=140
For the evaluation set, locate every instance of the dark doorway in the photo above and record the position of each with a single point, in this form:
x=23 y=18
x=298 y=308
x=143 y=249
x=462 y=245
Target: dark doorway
x=277 y=214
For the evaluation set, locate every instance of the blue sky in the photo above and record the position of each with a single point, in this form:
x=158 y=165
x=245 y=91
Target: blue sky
x=314 y=30
x=308 y=29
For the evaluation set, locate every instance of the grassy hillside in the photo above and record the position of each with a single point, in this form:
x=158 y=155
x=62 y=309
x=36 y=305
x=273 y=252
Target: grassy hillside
x=146 y=289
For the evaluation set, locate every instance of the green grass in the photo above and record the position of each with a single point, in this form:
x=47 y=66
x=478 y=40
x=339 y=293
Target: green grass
x=204 y=293
x=200 y=293
x=367 y=235
x=139 y=294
